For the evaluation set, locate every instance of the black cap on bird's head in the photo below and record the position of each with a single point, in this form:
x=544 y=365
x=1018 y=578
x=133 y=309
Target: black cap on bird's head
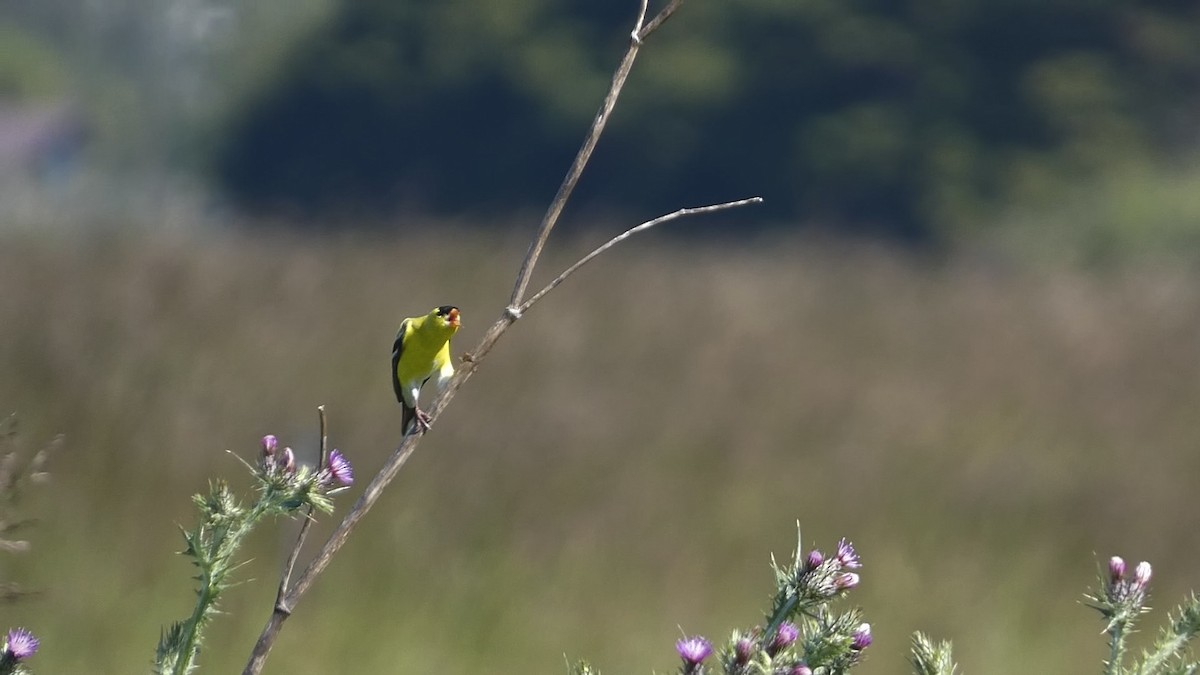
x=450 y=314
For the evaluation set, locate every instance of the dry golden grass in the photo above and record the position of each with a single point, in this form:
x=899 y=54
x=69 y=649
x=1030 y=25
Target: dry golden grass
x=626 y=459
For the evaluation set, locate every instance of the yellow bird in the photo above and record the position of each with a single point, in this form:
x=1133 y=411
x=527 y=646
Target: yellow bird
x=422 y=351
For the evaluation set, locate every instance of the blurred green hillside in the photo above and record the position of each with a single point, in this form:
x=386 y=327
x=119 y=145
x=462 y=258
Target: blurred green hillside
x=924 y=120
x=625 y=460
x=914 y=118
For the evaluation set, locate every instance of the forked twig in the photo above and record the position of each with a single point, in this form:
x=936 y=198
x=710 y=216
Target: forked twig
x=660 y=18
x=290 y=565
x=636 y=35
x=641 y=31
x=697 y=210
x=289 y=596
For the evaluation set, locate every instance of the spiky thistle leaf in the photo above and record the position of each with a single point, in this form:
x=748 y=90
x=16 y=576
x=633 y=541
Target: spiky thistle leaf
x=930 y=659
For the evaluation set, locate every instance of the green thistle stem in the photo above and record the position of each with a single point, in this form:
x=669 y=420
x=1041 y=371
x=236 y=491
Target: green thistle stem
x=1116 y=648
x=782 y=612
x=212 y=575
x=1168 y=649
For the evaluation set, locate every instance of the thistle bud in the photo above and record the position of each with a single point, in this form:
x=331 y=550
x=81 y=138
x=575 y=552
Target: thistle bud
x=743 y=649
x=1116 y=569
x=846 y=581
x=814 y=560
x=1141 y=575
x=289 y=460
x=861 y=638
x=269 y=445
x=787 y=633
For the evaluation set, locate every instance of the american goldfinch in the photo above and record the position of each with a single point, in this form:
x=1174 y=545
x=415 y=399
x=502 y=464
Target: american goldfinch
x=422 y=351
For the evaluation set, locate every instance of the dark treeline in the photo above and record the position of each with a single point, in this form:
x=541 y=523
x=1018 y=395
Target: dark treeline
x=908 y=117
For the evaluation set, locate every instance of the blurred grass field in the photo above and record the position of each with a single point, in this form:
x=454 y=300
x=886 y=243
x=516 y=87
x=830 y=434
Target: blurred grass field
x=625 y=460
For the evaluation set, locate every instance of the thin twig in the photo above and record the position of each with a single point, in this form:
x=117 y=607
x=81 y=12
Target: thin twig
x=290 y=565
x=323 y=458
x=629 y=233
x=659 y=19
x=572 y=177
x=636 y=35
x=549 y=220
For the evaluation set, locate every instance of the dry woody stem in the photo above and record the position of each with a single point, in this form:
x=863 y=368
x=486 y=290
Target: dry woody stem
x=290 y=595
x=290 y=565
x=641 y=31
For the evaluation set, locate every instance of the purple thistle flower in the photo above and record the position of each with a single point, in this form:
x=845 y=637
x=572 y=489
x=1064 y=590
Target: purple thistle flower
x=801 y=669
x=1116 y=569
x=1141 y=575
x=269 y=444
x=693 y=650
x=339 y=467
x=845 y=582
x=21 y=644
x=787 y=633
x=847 y=556
x=814 y=560
x=861 y=638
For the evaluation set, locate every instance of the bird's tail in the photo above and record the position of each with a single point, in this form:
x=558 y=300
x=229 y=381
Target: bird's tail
x=408 y=419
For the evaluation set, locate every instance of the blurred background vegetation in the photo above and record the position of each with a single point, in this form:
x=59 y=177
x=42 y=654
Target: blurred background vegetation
x=922 y=119
x=626 y=459
x=962 y=332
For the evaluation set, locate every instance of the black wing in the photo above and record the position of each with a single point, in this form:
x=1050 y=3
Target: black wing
x=397 y=349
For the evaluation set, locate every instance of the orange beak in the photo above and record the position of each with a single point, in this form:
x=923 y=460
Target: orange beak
x=453 y=319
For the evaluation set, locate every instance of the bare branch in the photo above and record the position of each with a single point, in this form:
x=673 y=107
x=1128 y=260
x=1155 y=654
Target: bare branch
x=288 y=597
x=371 y=494
x=408 y=445
x=550 y=219
x=629 y=233
x=290 y=565
x=323 y=457
x=572 y=178
x=636 y=35
x=659 y=19
x=266 y=639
